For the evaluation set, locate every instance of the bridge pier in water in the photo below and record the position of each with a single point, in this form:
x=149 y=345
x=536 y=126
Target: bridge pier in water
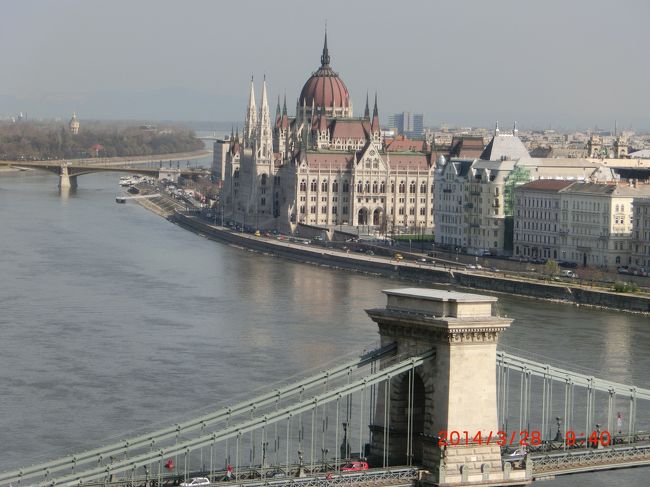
x=452 y=396
x=66 y=181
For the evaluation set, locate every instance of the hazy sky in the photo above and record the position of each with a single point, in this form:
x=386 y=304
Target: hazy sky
x=560 y=63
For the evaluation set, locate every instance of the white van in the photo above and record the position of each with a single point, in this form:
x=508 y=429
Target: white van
x=568 y=273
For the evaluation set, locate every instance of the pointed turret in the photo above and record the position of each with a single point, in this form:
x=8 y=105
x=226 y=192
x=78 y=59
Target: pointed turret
x=278 y=115
x=515 y=131
x=235 y=147
x=322 y=122
x=496 y=128
x=285 y=117
x=264 y=137
x=250 y=122
x=374 y=126
x=366 y=113
x=305 y=127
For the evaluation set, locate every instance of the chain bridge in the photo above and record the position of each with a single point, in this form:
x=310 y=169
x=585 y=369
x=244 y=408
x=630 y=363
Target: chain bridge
x=69 y=171
x=434 y=404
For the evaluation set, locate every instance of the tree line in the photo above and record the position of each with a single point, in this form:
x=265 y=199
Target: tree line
x=33 y=141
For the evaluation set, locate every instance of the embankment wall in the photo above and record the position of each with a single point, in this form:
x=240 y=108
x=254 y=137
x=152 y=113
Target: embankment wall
x=421 y=273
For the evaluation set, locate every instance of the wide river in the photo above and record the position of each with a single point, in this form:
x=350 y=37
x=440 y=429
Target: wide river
x=114 y=320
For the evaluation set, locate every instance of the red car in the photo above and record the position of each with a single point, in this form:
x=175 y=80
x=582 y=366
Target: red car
x=354 y=466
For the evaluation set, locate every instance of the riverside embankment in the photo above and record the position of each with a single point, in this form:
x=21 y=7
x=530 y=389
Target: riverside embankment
x=420 y=272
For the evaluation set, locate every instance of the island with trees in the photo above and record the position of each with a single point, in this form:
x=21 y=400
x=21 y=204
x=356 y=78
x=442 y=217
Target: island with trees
x=51 y=141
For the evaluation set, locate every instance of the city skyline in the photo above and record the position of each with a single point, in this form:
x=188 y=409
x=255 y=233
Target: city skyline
x=547 y=65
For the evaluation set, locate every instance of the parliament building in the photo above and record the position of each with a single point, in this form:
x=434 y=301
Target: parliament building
x=325 y=167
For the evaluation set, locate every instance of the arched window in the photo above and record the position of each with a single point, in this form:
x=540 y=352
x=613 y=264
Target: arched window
x=335 y=187
x=323 y=186
x=382 y=187
x=423 y=188
x=303 y=186
x=360 y=187
x=346 y=187
x=236 y=175
x=375 y=187
x=412 y=187
x=314 y=185
x=402 y=187
x=392 y=187
x=367 y=186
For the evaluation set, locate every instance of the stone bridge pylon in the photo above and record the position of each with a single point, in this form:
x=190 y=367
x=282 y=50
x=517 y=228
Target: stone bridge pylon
x=453 y=395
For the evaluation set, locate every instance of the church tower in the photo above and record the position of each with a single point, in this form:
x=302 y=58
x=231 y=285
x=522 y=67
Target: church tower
x=74 y=124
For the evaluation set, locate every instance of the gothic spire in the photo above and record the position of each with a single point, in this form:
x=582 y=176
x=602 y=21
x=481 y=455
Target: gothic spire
x=284 y=105
x=325 y=57
x=264 y=138
x=366 y=113
x=251 y=117
x=278 y=115
x=305 y=130
x=374 y=126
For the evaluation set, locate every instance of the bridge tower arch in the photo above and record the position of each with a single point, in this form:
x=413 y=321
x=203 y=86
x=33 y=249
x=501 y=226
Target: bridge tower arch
x=453 y=391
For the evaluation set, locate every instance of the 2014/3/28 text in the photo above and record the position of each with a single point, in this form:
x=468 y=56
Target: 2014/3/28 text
x=520 y=438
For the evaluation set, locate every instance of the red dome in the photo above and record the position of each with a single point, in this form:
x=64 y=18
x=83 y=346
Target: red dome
x=324 y=88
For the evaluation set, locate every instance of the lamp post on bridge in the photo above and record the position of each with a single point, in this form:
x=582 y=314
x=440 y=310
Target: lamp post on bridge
x=345 y=447
x=324 y=452
x=558 y=434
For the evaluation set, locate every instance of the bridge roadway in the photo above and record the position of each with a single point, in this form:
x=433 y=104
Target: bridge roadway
x=79 y=168
x=122 y=161
x=540 y=466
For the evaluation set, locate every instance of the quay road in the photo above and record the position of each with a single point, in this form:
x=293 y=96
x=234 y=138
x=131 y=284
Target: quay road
x=415 y=270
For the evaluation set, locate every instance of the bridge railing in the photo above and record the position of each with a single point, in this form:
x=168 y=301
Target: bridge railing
x=554 y=402
x=104 y=455
x=588 y=460
x=182 y=449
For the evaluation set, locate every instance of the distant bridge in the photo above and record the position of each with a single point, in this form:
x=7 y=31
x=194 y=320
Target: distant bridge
x=69 y=171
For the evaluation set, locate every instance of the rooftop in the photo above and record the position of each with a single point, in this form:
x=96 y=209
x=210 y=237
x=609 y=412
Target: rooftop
x=440 y=295
x=547 y=184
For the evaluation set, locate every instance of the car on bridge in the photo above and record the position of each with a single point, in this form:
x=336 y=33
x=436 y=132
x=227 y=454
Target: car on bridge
x=196 y=482
x=356 y=466
x=516 y=458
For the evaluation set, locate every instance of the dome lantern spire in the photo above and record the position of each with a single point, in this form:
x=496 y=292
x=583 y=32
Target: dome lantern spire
x=325 y=57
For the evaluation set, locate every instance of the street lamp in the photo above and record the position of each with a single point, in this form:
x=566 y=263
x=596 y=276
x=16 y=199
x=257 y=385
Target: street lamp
x=344 y=445
x=558 y=434
x=324 y=452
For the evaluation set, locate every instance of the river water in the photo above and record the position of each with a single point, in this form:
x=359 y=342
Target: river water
x=114 y=320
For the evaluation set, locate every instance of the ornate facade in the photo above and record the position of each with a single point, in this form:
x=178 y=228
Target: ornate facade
x=324 y=166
